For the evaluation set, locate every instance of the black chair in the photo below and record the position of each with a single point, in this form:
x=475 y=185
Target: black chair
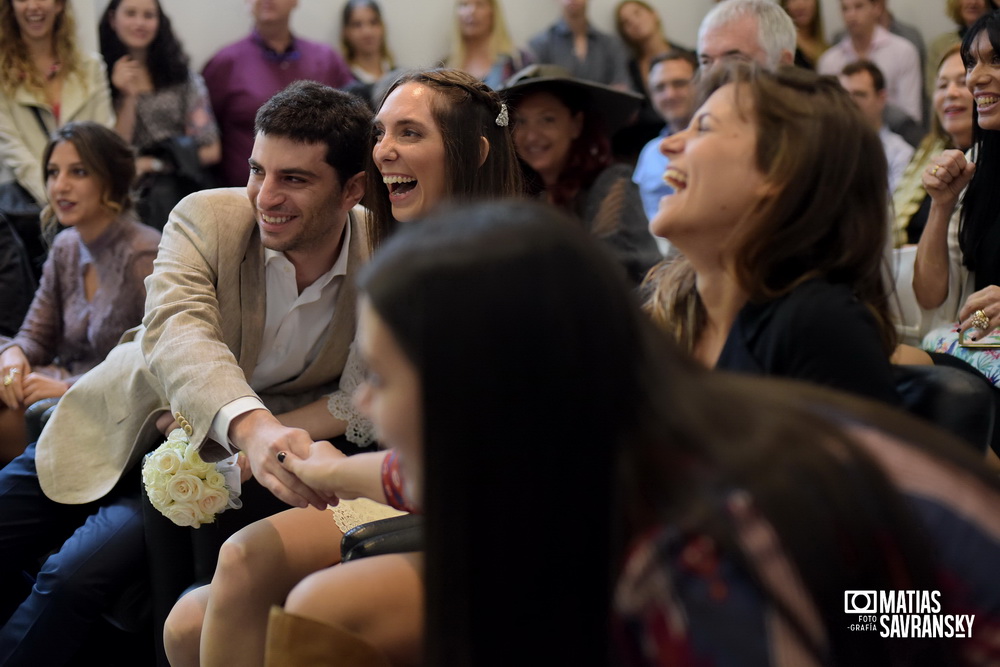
x=960 y=401
x=399 y=534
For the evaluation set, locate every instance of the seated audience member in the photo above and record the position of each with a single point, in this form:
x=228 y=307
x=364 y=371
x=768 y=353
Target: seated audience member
x=754 y=30
x=162 y=105
x=951 y=127
x=249 y=319
x=956 y=274
x=92 y=284
x=781 y=226
x=577 y=46
x=810 y=40
x=362 y=36
x=866 y=39
x=46 y=82
x=366 y=48
x=561 y=130
x=704 y=538
x=245 y=74
x=482 y=45
x=964 y=13
x=640 y=28
x=671 y=86
x=863 y=80
x=427 y=149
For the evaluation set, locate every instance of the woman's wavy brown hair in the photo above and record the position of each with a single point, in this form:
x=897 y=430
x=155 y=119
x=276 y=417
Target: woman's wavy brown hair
x=827 y=217
x=16 y=68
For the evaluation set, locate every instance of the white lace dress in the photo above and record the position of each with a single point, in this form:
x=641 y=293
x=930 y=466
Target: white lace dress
x=360 y=431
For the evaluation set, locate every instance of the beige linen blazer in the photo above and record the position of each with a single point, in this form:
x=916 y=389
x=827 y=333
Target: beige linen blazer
x=195 y=351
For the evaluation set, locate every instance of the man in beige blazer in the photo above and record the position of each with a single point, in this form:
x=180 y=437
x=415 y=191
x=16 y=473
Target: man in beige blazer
x=238 y=329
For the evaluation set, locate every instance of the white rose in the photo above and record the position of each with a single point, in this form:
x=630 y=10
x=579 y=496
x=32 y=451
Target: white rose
x=184 y=488
x=158 y=497
x=182 y=514
x=166 y=461
x=213 y=501
x=215 y=479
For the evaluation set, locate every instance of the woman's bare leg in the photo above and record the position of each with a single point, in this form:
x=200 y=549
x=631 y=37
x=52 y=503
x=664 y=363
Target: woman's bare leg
x=380 y=598
x=257 y=568
x=182 y=629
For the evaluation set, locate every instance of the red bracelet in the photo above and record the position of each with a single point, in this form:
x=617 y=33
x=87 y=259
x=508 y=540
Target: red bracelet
x=392 y=482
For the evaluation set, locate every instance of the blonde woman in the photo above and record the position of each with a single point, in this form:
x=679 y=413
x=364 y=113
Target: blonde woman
x=45 y=82
x=482 y=45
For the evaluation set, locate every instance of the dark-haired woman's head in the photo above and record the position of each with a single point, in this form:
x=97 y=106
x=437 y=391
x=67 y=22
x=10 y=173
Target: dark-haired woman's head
x=560 y=139
x=88 y=171
x=439 y=135
x=520 y=344
x=141 y=29
x=803 y=204
x=362 y=31
x=980 y=49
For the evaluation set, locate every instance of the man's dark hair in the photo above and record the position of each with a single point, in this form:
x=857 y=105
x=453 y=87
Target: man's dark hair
x=311 y=113
x=674 y=54
x=859 y=66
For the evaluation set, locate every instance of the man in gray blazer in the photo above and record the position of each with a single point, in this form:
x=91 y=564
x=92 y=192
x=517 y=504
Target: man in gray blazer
x=249 y=315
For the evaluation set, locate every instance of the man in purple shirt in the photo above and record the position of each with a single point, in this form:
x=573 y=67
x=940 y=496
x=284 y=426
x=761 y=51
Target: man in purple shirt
x=247 y=73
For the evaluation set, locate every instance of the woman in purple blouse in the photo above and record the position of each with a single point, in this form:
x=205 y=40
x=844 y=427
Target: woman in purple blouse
x=92 y=283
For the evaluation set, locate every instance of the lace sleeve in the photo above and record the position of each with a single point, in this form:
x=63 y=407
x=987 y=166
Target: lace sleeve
x=359 y=430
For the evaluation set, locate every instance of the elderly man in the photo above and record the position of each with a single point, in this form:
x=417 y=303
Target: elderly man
x=755 y=30
x=249 y=317
x=671 y=86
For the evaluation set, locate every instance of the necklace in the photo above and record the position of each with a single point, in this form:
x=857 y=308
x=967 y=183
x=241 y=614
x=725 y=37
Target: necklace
x=54 y=70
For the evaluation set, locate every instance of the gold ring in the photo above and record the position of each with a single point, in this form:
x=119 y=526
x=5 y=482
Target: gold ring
x=980 y=320
x=8 y=380
x=934 y=171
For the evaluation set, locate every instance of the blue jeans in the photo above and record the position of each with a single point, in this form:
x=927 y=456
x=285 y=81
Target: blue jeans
x=100 y=551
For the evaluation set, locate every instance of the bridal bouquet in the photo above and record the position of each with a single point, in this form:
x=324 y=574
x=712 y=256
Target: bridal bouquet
x=185 y=489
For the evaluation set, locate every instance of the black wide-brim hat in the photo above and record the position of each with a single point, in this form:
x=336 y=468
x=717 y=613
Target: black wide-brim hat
x=616 y=108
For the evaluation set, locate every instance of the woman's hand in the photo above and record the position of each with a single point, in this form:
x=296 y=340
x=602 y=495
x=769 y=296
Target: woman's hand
x=946 y=176
x=986 y=300
x=14 y=368
x=38 y=386
x=319 y=471
x=126 y=76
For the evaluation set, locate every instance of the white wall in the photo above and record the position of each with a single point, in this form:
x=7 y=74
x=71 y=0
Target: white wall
x=420 y=30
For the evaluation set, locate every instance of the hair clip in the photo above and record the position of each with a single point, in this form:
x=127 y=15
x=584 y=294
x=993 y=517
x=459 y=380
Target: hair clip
x=502 y=117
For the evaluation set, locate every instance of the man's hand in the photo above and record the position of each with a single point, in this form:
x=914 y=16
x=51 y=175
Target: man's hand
x=262 y=436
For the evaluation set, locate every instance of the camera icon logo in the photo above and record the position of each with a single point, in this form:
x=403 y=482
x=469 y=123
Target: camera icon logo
x=860 y=602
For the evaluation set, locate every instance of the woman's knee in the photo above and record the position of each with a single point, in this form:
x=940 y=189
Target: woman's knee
x=182 y=629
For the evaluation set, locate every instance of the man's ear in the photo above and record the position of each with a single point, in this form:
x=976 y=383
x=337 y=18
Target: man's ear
x=353 y=190
x=484 y=150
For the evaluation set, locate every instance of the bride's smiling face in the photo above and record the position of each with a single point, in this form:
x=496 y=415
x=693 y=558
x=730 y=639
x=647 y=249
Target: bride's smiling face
x=713 y=171
x=409 y=151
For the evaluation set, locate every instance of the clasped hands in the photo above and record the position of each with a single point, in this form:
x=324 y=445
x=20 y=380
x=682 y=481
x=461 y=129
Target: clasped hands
x=21 y=387
x=262 y=437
